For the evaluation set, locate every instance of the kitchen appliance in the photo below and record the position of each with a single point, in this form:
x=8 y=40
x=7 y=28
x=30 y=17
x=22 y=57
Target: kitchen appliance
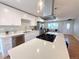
x=52 y=16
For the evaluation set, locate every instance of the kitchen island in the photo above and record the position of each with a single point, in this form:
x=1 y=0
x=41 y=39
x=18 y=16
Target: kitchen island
x=6 y=42
x=12 y=40
x=41 y=49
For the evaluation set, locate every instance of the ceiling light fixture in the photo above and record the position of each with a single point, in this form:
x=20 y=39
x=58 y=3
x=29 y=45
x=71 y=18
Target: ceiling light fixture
x=6 y=10
x=38 y=11
x=40 y=6
x=38 y=50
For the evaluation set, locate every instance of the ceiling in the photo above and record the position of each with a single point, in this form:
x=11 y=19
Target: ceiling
x=29 y=6
x=64 y=9
x=67 y=9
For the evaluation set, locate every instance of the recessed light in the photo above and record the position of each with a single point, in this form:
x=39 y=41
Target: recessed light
x=6 y=10
x=38 y=11
x=40 y=5
x=37 y=50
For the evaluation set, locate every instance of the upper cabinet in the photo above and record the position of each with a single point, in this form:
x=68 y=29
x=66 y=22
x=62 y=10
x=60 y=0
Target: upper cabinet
x=32 y=19
x=9 y=16
x=13 y=17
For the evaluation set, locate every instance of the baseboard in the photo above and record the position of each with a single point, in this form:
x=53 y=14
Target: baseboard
x=75 y=37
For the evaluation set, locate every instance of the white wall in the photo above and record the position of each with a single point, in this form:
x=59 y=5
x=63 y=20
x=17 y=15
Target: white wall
x=76 y=28
x=63 y=27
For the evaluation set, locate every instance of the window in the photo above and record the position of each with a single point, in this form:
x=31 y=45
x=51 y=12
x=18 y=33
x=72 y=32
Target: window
x=41 y=25
x=68 y=26
x=52 y=25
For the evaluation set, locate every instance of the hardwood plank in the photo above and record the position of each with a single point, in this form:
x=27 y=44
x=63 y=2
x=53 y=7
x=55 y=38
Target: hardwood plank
x=73 y=47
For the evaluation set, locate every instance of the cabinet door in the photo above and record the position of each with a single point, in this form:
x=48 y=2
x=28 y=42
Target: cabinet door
x=30 y=18
x=6 y=44
x=17 y=40
x=31 y=35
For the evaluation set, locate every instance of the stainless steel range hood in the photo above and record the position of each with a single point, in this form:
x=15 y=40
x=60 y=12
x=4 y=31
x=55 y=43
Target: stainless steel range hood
x=51 y=16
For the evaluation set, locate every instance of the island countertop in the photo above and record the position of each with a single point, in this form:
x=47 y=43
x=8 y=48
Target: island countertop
x=40 y=49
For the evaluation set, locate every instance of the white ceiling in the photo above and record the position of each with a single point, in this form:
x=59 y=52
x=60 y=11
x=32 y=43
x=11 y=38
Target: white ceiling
x=65 y=8
x=26 y=5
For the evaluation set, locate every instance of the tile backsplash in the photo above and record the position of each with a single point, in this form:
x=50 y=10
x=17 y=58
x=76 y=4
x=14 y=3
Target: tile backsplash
x=10 y=28
x=25 y=26
x=14 y=29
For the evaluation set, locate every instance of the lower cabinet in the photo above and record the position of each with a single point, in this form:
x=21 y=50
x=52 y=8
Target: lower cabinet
x=17 y=40
x=7 y=43
x=31 y=35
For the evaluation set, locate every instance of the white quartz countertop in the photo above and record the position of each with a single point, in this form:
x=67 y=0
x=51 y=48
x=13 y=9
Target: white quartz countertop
x=3 y=35
x=40 y=49
x=10 y=35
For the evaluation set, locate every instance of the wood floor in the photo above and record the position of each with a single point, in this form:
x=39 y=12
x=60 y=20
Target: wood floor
x=73 y=47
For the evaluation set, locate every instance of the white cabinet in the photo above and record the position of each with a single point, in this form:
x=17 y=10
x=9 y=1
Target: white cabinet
x=9 y=16
x=31 y=35
x=32 y=19
x=6 y=44
x=33 y=22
